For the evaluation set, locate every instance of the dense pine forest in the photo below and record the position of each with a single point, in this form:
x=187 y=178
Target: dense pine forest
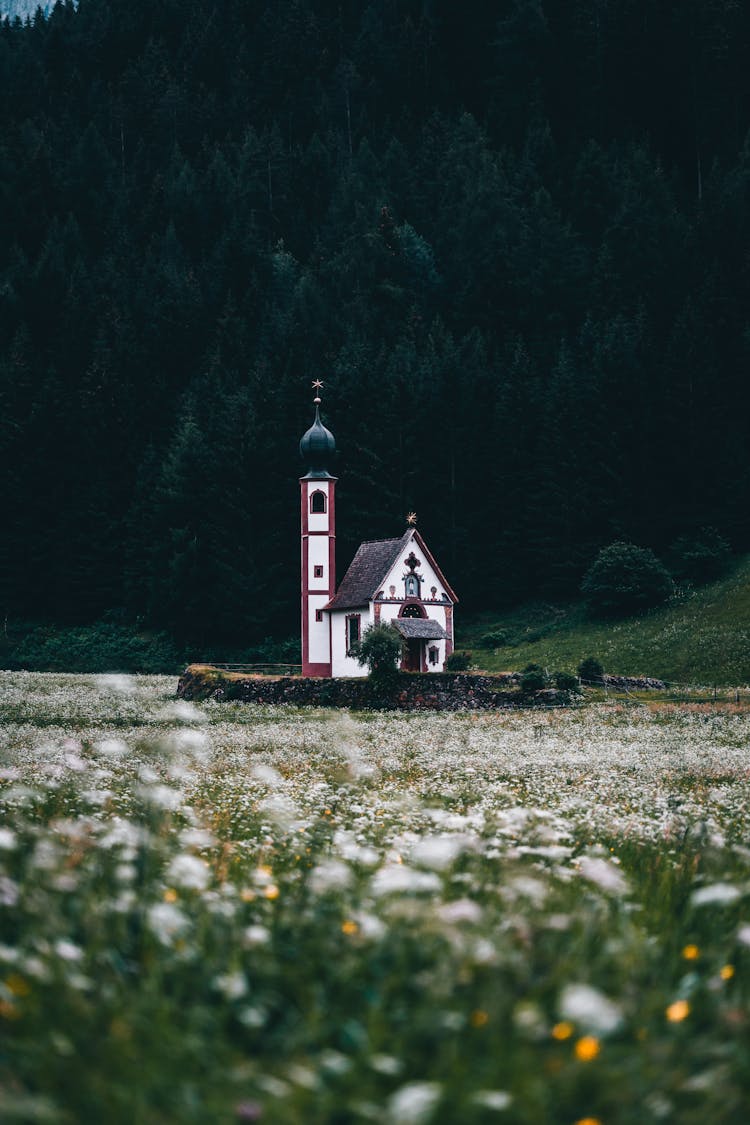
x=511 y=238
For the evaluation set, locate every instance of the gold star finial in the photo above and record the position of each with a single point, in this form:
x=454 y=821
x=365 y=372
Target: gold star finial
x=317 y=387
x=411 y=519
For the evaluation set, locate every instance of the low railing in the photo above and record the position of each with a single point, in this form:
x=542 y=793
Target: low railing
x=268 y=668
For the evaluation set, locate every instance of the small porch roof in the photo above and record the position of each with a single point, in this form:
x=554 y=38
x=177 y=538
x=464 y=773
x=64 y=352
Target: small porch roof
x=419 y=628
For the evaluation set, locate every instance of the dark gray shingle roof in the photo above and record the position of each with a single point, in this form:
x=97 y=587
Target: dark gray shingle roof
x=367 y=571
x=428 y=630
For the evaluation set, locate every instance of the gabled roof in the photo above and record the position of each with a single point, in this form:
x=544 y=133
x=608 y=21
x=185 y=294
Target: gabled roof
x=366 y=571
x=425 y=630
x=370 y=567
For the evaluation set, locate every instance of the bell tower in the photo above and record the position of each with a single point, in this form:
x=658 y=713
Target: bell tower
x=318 y=510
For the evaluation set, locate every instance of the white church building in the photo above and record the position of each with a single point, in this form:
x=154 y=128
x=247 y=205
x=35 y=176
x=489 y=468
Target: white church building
x=388 y=580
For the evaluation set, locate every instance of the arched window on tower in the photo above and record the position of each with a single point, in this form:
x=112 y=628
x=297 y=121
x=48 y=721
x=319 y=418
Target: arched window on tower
x=318 y=501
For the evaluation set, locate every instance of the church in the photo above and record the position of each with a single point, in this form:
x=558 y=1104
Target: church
x=389 y=580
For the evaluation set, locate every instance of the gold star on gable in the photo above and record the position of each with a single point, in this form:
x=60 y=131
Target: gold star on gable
x=411 y=519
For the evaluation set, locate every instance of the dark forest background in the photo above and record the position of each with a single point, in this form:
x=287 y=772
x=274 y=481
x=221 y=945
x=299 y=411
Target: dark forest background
x=513 y=239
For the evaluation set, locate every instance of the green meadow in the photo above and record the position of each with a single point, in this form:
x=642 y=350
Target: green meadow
x=701 y=637
x=223 y=912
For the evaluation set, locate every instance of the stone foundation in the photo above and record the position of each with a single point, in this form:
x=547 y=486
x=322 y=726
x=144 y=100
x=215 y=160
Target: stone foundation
x=438 y=691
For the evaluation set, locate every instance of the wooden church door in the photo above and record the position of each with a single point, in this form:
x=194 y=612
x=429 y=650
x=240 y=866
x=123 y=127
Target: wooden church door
x=412 y=661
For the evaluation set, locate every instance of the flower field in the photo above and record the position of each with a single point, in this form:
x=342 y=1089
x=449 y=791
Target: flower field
x=224 y=913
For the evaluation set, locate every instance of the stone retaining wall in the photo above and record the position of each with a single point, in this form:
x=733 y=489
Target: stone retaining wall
x=436 y=691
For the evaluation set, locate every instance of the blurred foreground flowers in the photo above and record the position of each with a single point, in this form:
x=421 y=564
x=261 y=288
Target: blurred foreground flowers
x=227 y=912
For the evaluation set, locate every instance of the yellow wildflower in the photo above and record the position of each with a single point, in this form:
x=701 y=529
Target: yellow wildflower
x=271 y=891
x=678 y=1011
x=587 y=1048
x=726 y=972
x=691 y=952
x=478 y=1018
x=562 y=1030
x=349 y=927
x=17 y=985
x=170 y=895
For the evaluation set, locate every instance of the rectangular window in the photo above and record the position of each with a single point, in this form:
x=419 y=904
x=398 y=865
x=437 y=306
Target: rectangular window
x=318 y=614
x=352 y=632
x=433 y=653
x=318 y=571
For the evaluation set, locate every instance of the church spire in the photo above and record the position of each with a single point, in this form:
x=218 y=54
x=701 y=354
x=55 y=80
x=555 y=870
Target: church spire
x=318 y=512
x=318 y=445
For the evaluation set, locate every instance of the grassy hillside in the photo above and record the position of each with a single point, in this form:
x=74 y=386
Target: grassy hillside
x=700 y=637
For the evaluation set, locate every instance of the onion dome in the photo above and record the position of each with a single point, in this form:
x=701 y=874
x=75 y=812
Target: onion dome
x=318 y=447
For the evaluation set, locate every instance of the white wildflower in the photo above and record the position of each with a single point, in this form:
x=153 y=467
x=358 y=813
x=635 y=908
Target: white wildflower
x=8 y=839
x=189 y=872
x=603 y=873
x=484 y=952
x=386 y=1064
x=9 y=891
x=331 y=875
x=590 y=1009
x=46 y=855
x=492 y=1099
x=111 y=748
x=196 y=838
x=438 y=852
x=116 y=683
x=184 y=712
x=281 y=809
x=252 y=1016
x=166 y=921
x=266 y=775
x=371 y=927
x=68 y=950
x=743 y=934
x=460 y=910
x=274 y=1087
x=255 y=935
x=529 y=1019
x=716 y=894
x=231 y=985
x=334 y=1061
x=161 y=796
x=413 y=1104
x=400 y=879
x=302 y=1076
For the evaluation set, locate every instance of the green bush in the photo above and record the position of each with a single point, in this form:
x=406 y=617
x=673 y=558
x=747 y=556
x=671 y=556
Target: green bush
x=110 y=645
x=566 y=681
x=494 y=639
x=700 y=558
x=458 y=662
x=591 y=670
x=380 y=649
x=533 y=678
x=625 y=579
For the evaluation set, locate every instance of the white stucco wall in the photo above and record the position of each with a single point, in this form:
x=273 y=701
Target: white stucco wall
x=318 y=521
x=318 y=632
x=317 y=555
x=425 y=571
x=341 y=664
